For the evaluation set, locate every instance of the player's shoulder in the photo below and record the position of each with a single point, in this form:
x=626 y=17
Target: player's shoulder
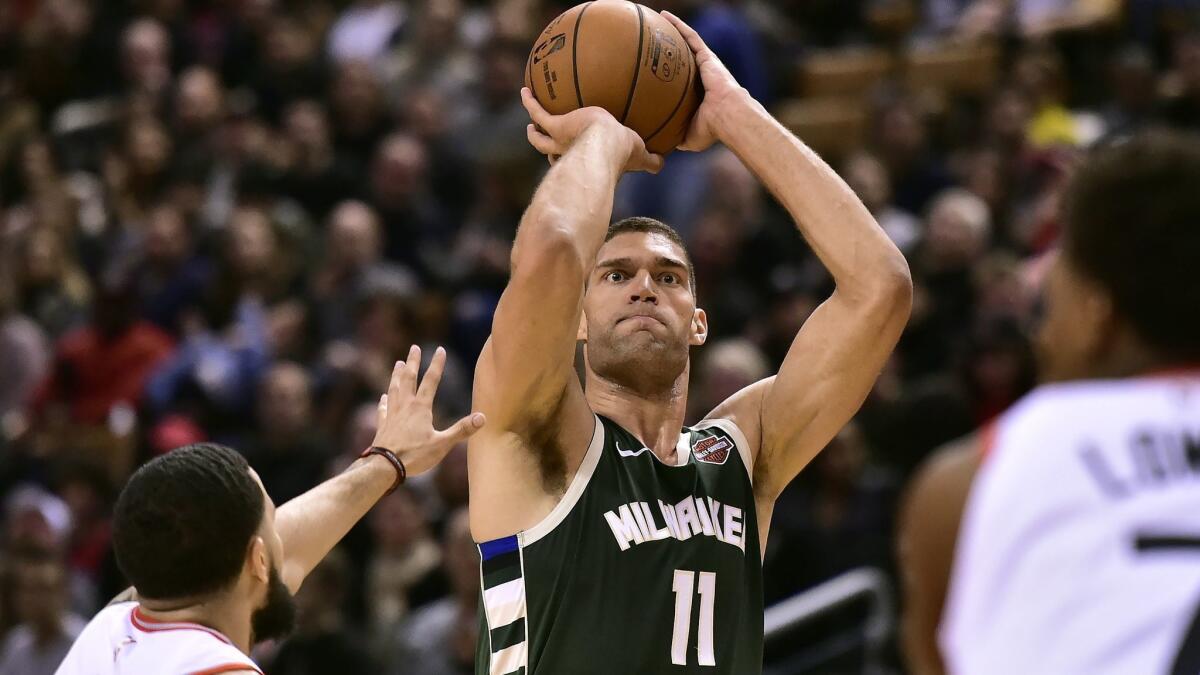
x=1068 y=409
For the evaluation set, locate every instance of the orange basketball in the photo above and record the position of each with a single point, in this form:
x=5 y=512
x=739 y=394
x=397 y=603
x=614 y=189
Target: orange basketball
x=623 y=57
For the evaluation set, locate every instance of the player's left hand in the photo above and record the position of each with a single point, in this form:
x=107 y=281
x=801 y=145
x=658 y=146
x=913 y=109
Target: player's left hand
x=405 y=421
x=720 y=90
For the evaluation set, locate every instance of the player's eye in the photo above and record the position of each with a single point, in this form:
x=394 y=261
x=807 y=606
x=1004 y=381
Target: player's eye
x=615 y=276
x=669 y=278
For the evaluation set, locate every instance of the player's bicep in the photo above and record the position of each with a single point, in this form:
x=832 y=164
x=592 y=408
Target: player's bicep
x=828 y=371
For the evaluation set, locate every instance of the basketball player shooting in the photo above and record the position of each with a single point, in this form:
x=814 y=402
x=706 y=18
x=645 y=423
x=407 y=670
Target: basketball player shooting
x=612 y=540
x=215 y=564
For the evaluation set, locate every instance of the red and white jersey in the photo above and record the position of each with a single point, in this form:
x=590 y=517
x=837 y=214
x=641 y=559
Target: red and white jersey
x=1079 y=550
x=121 y=640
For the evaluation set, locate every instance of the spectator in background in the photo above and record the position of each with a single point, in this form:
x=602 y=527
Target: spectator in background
x=433 y=53
x=440 y=639
x=405 y=572
x=287 y=451
x=1182 y=108
x=323 y=643
x=46 y=627
x=836 y=517
x=106 y=363
x=24 y=355
x=1132 y=80
x=413 y=222
x=51 y=288
x=171 y=277
x=353 y=246
x=146 y=64
x=358 y=110
x=199 y=110
x=288 y=69
x=316 y=177
x=869 y=179
x=727 y=367
x=902 y=143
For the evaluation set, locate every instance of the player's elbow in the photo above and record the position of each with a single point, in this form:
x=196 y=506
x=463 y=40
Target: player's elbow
x=548 y=248
x=891 y=291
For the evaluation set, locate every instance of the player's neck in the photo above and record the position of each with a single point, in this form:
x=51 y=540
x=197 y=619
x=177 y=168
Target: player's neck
x=654 y=420
x=226 y=613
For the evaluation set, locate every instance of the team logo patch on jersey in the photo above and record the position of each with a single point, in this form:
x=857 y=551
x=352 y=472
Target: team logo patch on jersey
x=712 y=450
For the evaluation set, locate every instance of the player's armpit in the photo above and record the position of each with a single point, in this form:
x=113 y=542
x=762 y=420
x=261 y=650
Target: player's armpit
x=930 y=515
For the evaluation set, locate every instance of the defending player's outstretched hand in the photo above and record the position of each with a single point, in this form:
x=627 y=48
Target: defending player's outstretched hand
x=720 y=88
x=405 y=422
x=552 y=135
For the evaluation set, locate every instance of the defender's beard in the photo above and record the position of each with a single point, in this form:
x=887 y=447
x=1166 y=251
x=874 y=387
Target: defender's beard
x=277 y=617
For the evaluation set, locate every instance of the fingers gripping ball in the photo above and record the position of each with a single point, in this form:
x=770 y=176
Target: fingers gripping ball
x=623 y=57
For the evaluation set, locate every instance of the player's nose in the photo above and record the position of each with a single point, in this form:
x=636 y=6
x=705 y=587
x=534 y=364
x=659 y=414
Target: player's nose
x=643 y=288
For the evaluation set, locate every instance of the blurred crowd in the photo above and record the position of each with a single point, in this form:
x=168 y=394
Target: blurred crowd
x=226 y=219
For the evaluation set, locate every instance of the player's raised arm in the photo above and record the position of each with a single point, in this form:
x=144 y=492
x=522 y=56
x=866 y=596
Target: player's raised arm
x=836 y=357
x=525 y=380
x=313 y=523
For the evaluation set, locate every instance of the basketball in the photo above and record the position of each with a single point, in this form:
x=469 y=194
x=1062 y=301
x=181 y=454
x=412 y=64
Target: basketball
x=623 y=57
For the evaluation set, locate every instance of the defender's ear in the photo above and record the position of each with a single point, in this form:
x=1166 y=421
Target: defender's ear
x=699 y=327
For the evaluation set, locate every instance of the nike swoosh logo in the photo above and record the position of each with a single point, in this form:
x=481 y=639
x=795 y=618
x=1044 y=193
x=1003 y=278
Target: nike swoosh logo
x=630 y=453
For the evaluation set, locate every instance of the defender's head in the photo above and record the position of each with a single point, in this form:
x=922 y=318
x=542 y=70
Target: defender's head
x=1123 y=293
x=639 y=313
x=195 y=524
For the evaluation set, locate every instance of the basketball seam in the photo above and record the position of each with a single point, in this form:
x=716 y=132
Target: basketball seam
x=575 y=54
x=677 y=103
x=637 y=62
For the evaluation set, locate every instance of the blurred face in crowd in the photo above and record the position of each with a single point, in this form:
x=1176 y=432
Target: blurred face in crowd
x=398 y=521
x=148 y=147
x=43 y=257
x=868 y=178
x=285 y=401
x=40 y=593
x=357 y=98
x=354 y=237
x=252 y=242
x=640 y=315
x=145 y=55
x=398 y=170
x=167 y=238
x=957 y=230
x=288 y=45
x=198 y=100
x=307 y=126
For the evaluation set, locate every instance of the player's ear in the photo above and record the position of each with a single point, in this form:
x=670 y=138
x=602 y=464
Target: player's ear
x=258 y=560
x=699 y=327
x=1100 y=325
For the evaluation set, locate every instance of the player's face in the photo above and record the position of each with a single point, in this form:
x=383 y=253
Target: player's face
x=1076 y=319
x=640 y=315
x=276 y=616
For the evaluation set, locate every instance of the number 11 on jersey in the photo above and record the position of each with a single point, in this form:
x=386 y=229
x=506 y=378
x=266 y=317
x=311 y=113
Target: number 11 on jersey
x=684 y=586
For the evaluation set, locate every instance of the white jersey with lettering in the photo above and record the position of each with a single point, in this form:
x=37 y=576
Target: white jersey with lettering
x=1079 y=550
x=121 y=640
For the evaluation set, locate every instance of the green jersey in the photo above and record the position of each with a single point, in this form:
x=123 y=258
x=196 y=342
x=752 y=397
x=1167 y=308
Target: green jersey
x=643 y=568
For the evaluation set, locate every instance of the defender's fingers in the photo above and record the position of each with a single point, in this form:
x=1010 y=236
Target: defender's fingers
x=463 y=429
x=408 y=376
x=395 y=384
x=433 y=376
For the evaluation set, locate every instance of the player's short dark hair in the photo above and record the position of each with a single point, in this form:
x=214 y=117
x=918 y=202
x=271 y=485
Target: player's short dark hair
x=646 y=225
x=1132 y=224
x=184 y=522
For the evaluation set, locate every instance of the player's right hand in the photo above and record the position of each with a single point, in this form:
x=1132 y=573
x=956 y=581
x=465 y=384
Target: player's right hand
x=405 y=420
x=553 y=135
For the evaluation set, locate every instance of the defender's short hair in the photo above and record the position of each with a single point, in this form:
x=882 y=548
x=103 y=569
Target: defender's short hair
x=1132 y=224
x=646 y=225
x=184 y=522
